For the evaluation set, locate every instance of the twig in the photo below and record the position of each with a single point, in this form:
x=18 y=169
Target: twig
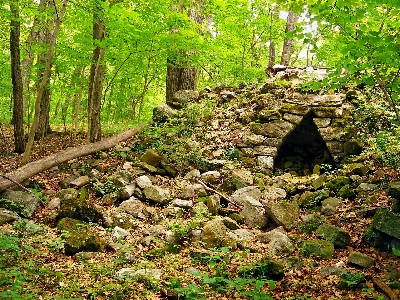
x=218 y=193
x=379 y=283
x=22 y=187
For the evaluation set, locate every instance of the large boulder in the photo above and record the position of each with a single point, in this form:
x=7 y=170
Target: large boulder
x=324 y=249
x=163 y=113
x=157 y=194
x=151 y=157
x=361 y=260
x=266 y=267
x=83 y=239
x=339 y=237
x=254 y=213
x=240 y=195
x=283 y=213
x=242 y=178
x=7 y=216
x=387 y=222
x=21 y=202
x=213 y=233
x=79 y=209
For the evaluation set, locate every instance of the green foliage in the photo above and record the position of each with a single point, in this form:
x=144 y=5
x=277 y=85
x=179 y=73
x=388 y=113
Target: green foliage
x=388 y=148
x=232 y=153
x=105 y=188
x=10 y=248
x=351 y=280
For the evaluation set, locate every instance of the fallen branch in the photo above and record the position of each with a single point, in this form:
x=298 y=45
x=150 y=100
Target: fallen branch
x=218 y=193
x=379 y=283
x=23 y=188
x=38 y=166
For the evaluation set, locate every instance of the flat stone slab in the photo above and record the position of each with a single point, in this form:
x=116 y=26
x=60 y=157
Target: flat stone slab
x=361 y=260
x=387 y=222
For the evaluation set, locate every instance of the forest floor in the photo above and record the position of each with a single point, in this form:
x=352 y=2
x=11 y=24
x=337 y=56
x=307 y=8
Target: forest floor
x=41 y=270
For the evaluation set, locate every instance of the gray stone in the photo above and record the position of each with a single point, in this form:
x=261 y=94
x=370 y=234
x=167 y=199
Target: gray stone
x=328 y=210
x=182 y=203
x=127 y=191
x=274 y=129
x=354 y=147
x=242 y=178
x=332 y=133
x=339 y=237
x=324 y=249
x=253 y=139
x=182 y=97
x=210 y=176
x=328 y=112
x=322 y=122
x=65 y=182
x=266 y=237
x=7 y=216
x=361 y=260
x=265 y=151
x=192 y=174
x=387 y=222
x=155 y=230
x=120 y=178
x=331 y=270
x=332 y=201
x=151 y=157
x=200 y=190
x=163 y=113
x=244 y=234
x=133 y=206
x=312 y=199
x=54 y=203
x=173 y=212
x=274 y=142
x=157 y=194
x=119 y=233
x=283 y=213
x=280 y=244
x=21 y=202
x=335 y=147
x=199 y=209
x=272 y=194
x=80 y=181
x=240 y=195
x=265 y=162
x=266 y=116
x=79 y=209
x=366 y=187
x=147 y=274
x=319 y=182
x=295 y=119
x=213 y=233
x=230 y=223
x=394 y=190
x=143 y=182
x=213 y=204
x=254 y=215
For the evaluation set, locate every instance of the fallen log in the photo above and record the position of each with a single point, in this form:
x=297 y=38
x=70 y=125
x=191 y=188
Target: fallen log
x=38 y=166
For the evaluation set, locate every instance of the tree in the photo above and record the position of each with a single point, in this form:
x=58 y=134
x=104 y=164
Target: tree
x=42 y=86
x=287 y=44
x=96 y=77
x=18 y=93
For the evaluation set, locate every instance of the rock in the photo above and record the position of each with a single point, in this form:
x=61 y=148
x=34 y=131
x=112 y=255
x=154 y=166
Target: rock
x=213 y=233
x=54 y=203
x=182 y=97
x=83 y=239
x=361 y=260
x=143 y=182
x=366 y=187
x=376 y=238
x=265 y=162
x=119 y=233
x=387 y=222
x=324 y=249
x=339 y=237
x=199 y=209
x=243 y=234
x=353 y=147
x=230 y=223
x=280 y=244
x=192 y=174
x=253 y=139
x=120 y=178
x=110 y=198
x=182 y=203
x=337 y=183
x=80 y=181
x=213 y=204
x=157 y=194
x=151 y=157
x=142 y=274
x=331 y=270
x=328 y=210
x=65 y=183
x=283 y=213
x=67 y=194
x=238 y=218
x=274 y=129
x=242 y=178
x=347 y=192
x=123 y=220
x=335 y=202
x=266 y=237
x=21 y=202
x=240 y=195
x=210 y=176
x=127 y=191
x=69 y=224
x=173 y=212
x=200 y=190
x=254 y=215
x=357 y=169
x=266 y=267
x=322 y=122
x=79 y=209
x=163 y=113
x=319 y=182
x=273 y=194
x=312 y=199
x=133 y=206
x=394 y=190
x=7 y=216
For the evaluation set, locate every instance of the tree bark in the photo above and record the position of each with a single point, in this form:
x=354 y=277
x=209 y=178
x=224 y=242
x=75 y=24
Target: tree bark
x=96 y=78
x=42 y=86
x=287 y=44
x=56 y=159
x=78 y=99
x=16 y=77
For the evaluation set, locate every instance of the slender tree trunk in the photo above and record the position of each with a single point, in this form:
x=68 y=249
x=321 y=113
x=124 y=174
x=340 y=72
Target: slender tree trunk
x=42 y=86
x=287 y=44
x=271 y=54
x=78 y=99
x=16 y=76
x=96 y=78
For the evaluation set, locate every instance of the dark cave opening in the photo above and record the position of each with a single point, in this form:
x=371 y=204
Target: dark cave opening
x=303 y=149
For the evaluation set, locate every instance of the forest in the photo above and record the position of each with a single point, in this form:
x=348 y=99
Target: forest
x=193 y=149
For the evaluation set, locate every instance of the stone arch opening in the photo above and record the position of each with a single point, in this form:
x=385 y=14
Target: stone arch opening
x=303 y=148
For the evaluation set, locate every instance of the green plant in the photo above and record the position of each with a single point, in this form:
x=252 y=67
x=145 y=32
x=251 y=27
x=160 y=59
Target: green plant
x=232 y=153
x=10 y=248
x=350 y=280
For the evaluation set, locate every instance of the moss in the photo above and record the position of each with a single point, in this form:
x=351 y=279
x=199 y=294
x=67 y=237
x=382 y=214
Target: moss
x=336 y=184
x=83 y=240
x=160 y=252
x=237 y=218
x=69 y=224
x=324 y=249
x=265 y=268
x=353 y=146
x=347 y=192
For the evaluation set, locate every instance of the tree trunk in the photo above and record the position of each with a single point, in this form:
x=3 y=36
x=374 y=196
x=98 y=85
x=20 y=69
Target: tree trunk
x=96 y=78
x=16 y=76
x=56 y=159
x=182 y=76
x=78 y=99
x=42 y=86
x=287 y=44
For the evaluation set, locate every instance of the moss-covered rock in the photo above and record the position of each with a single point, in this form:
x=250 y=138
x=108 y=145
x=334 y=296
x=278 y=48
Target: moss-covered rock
x=337 y=183
x=324 y=249
x=266 y=268
x=353 y=147
x=83 y=239
x=339 y=237
x=346 y=192
x=269 y=115
x=387 y=222
x=160 y=252
x=69 y=224
x=312 y=199
x=79 y=209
